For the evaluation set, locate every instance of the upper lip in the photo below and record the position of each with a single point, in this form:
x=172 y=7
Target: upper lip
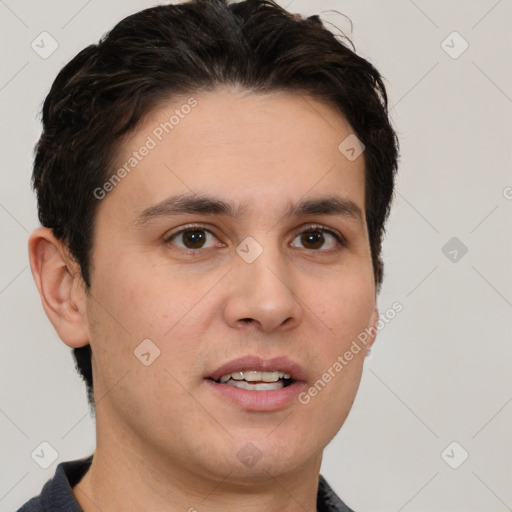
x=282 y=364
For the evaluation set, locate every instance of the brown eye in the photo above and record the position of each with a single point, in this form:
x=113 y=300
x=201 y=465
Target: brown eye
x=194 y=238
x=318 y=238
x=191 y=238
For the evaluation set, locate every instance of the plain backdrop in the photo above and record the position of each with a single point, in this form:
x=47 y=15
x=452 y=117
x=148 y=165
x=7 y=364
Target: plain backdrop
x=437 y=386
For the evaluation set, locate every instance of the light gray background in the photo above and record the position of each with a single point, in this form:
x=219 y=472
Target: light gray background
x=439 y=372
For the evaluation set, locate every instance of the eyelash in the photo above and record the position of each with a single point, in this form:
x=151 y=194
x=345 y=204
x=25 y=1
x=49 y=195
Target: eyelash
x=312 y=227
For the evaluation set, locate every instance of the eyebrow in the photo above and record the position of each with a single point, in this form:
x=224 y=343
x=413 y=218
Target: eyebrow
x=207 y=205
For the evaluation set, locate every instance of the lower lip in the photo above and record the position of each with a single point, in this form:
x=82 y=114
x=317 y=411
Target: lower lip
x=248 y=400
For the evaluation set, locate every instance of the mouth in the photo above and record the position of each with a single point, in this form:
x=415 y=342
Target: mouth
x=255 y=384
x=254 y=380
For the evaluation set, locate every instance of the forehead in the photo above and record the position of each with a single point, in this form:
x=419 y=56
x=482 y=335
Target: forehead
x=258 y=148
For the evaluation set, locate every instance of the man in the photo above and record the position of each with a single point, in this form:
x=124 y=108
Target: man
x=213 y=181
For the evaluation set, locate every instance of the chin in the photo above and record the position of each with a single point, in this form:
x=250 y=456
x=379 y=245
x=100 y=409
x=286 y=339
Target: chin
x=272 y=454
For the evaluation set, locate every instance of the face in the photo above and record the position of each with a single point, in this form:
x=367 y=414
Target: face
x=262 y=265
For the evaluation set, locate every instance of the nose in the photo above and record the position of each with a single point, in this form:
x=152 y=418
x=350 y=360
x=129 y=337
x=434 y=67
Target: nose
x=262 y=294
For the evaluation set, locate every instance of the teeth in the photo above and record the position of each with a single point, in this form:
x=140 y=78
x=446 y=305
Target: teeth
x=270 y=376
x=255 y=376
x=252 y=376
x=267 y=386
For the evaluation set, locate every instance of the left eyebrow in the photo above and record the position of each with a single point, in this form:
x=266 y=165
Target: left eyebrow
x=206 y=205
x=331 y=205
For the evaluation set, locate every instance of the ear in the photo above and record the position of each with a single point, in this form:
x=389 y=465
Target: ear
x=60 y=286
x=372 y=330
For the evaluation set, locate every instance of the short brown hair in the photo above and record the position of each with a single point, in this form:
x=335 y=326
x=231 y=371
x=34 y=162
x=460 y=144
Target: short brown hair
x=158 y=53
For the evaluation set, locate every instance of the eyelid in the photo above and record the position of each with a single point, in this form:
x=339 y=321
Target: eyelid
x=320 y=227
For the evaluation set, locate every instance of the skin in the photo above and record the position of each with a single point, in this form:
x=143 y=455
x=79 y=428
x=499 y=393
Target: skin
x=165 y=441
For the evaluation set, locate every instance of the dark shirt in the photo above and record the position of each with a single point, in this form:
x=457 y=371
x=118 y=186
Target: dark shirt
x=57 y=494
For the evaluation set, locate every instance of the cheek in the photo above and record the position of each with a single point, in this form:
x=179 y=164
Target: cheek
x=130 y=304
x=346 y=307
x=135 y=299
x=121 y=315
x=332 y=390
x=345 y=303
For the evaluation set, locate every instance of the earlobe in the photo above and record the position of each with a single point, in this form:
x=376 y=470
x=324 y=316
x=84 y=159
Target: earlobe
x=56 y=279
x=372 y=329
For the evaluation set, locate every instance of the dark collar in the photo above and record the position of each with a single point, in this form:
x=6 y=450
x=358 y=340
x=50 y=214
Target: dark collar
x=57 y=494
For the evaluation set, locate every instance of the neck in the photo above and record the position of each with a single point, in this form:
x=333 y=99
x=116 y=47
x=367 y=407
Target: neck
x=125 y=476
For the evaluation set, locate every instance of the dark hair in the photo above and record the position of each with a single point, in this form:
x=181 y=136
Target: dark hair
x=168 y=51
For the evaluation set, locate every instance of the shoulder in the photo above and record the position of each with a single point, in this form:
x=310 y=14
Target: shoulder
x=57 y=494
x=328 y=500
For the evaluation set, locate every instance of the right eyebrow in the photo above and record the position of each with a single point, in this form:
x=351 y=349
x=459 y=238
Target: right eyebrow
x=183 y=204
